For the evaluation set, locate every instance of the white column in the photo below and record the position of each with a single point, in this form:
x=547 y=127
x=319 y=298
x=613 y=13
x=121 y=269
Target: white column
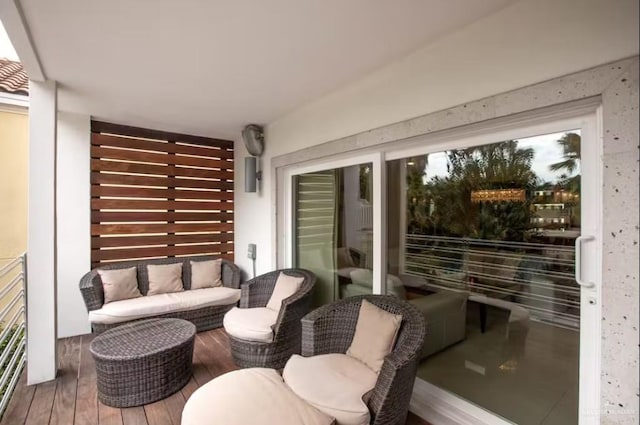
x=41 y=244
x=73 y=198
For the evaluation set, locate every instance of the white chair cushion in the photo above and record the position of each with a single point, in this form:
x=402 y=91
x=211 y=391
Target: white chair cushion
x=251 y=324
x=375 y=335
x=164 y=278
x=336 y=384
x=119 y=284
x=206 y=274
x=153 y=305
x=249 y=396
x=285 y=287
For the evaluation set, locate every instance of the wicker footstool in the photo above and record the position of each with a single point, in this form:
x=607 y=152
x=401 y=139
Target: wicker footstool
x=142 y=362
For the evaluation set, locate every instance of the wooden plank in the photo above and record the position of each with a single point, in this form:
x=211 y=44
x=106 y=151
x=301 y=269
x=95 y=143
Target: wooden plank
x=161 y=181
x=160 y=251
x=64 y=404
x=146 y=216
x=18 y=407
x=126 y=130
x=40 y=410
x=225 y=256
x=139 y=228
x=189 y=389
x=214 y=368
x=130 y=241
x=174 y=404
x=108 y=415
x=158 y=158
x=87 y=393
x=201 y=374
x=157 y=413
x=143 y=192
x=162 y=170
x=134 y=204
x=160 y=146
x=134 y=416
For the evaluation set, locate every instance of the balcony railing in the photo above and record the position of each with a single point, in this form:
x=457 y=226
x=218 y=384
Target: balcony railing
x=12 y=326
x=536 y=276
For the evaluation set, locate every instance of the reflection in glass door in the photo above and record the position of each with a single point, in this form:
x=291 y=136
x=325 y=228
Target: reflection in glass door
x=485 y=249
x=333 y=225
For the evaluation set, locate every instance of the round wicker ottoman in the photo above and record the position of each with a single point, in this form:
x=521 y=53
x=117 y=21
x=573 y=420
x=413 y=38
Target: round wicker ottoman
x=142 y=362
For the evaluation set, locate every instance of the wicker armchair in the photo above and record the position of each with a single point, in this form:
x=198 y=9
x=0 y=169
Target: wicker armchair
x=330 y=329
x=286 y=331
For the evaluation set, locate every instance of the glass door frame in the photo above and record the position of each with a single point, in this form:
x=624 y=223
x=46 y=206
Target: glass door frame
x=379 y=207
x=586 y=116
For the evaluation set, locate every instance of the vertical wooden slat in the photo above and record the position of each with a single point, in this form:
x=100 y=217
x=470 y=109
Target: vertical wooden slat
x=167 y=175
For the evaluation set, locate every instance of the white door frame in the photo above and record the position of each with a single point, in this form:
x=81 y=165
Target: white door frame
x=379 y=206
x=588 y=118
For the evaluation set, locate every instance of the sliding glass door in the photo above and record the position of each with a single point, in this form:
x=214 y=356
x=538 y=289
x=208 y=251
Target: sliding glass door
x=494 y=238
x=487 y=254
x=333 y=226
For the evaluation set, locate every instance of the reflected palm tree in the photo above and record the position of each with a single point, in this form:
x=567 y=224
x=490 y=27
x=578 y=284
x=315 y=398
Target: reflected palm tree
x=570 y=144
x=570 y=163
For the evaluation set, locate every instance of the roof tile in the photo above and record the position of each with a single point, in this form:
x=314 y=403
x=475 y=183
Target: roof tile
x=13 y=78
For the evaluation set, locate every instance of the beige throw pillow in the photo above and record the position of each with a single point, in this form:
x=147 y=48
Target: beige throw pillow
x=165 y=278
x=285 y=287
x=206 y=274
x=375 y=336
x=119 y=284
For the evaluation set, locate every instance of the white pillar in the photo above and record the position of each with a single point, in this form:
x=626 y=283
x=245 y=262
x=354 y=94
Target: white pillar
x=41 y=244
x=73 y=205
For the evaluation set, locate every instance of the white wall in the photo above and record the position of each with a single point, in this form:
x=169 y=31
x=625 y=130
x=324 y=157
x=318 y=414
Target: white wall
x=528 y=42
x=41 y=266
x=73 y=220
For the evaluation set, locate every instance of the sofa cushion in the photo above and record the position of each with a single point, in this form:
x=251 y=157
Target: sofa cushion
x=164 y=278
x=375 y=335
x=153 y=305
x=285 y=287
x=119 y=284
x=249 y=396
x=336 y=384
x=251 y=324
x=206 y=274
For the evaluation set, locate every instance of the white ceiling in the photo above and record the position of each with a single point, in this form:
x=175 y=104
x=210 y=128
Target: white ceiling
x=210 y=67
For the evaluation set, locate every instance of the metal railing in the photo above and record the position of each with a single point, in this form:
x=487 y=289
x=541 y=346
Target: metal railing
x=13 y=339
x=536 y=276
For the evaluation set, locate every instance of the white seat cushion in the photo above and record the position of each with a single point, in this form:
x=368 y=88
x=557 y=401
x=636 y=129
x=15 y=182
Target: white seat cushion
x=336 y=384
x=153 y=305
x=249 y=396
x=251 y=324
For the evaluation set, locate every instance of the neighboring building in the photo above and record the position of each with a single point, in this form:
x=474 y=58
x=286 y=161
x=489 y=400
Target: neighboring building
x=14 y=148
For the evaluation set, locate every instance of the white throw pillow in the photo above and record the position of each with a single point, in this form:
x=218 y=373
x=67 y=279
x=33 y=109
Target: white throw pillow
x=285 y=287
x=165 y=278
x=119 y=284
x=375 y=335
x=206 y=274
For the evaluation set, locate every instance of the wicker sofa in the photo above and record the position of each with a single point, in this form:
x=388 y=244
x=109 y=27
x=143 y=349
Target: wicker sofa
x=205 y=313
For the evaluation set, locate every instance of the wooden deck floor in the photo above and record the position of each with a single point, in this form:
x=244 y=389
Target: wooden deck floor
x=72 y=399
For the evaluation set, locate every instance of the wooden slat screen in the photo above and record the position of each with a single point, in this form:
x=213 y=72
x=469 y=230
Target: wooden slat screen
x=156 y=194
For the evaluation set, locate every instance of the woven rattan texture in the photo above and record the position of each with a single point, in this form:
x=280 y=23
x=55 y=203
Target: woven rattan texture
x=330 y=329
x=287 y=330
x=142 y=362
x=204 y=318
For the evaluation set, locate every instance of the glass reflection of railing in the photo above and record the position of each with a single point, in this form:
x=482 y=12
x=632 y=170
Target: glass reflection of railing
x=12 y=327
x=537 y=276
